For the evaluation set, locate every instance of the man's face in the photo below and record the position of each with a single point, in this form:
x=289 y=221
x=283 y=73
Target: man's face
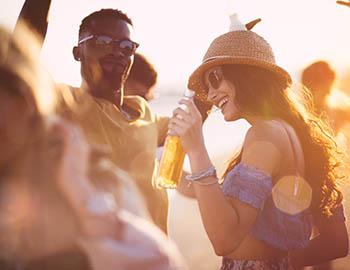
x=105 y=68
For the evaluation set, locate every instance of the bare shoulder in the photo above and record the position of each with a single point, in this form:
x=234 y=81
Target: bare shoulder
x=263 y=146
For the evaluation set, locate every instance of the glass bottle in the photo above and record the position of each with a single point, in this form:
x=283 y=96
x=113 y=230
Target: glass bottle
x=170 y=169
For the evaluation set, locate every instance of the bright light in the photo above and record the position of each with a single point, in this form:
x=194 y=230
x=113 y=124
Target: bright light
x=174 y=35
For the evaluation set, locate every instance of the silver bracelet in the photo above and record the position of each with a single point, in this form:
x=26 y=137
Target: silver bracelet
x=211 y=171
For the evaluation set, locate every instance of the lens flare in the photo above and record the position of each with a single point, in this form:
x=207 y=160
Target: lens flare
x=292 y=194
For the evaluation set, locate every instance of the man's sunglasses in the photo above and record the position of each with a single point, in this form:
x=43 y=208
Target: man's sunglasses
x=127 y=46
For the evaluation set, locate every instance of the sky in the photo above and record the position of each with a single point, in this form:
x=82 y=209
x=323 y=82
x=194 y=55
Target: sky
x=174 y=35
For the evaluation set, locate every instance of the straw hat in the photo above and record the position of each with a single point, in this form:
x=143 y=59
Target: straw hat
x=239 y=46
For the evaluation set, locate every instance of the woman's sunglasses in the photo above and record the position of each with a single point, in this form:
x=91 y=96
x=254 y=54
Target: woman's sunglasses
x=214 y=79
x=127 y=46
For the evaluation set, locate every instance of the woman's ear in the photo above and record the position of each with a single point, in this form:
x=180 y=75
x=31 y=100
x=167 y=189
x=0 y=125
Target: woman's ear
x=76 y=53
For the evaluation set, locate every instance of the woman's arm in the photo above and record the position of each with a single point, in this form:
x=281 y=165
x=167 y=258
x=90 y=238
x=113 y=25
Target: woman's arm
x=226 y=221
x=185 y=188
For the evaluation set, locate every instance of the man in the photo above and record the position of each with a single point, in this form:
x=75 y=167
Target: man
x=319 y=78
x=142 y=78
x=105 y=50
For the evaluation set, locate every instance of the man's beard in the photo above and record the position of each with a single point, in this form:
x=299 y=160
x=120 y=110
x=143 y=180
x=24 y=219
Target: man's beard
x=102 y=83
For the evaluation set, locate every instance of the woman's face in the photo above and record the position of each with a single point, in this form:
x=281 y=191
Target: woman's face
x=222 y=93
x=15 y=123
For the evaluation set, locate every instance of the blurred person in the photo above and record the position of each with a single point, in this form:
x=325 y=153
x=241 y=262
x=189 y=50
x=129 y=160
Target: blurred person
x=284 y=180
x=142 y=78
x=62 y=204
x=319 y=78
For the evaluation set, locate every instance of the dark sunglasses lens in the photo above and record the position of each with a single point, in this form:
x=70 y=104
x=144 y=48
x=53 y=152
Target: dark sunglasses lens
x=127 y=46
x=103 y=40
x=214 y=80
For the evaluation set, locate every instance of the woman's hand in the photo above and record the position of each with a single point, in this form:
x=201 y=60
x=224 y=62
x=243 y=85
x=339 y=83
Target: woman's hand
x=188 y=126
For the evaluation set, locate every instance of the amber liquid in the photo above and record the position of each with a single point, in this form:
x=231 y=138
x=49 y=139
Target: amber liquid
x=170 y=169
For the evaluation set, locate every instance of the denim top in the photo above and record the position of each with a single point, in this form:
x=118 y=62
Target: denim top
x=273 y=226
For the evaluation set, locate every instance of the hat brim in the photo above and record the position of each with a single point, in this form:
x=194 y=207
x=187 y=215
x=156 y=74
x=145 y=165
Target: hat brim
x=195 y=81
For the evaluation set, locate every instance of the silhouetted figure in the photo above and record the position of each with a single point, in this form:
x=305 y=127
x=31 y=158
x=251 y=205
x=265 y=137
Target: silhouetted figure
x=142 y=78
x=319 y=78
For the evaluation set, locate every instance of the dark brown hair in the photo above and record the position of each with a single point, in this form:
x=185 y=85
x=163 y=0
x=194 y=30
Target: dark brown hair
x=262 y=93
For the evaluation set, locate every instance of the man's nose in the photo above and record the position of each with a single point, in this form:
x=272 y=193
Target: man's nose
x=115 y=50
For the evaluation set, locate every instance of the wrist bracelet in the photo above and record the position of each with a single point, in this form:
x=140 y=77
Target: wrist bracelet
x=211 y=171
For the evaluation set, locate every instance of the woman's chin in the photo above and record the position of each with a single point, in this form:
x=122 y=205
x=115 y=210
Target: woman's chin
x=231 y=117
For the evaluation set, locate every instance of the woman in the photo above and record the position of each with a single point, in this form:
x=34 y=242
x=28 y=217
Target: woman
x=61 y=202
x=286 y=171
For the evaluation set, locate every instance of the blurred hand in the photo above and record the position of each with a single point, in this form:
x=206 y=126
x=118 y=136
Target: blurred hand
x=73 y=167
x=188 y=126
x=74 y=184
x=143 y=246
x=344 y=3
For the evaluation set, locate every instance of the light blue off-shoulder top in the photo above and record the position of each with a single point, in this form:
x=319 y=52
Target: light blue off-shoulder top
x=273 y=226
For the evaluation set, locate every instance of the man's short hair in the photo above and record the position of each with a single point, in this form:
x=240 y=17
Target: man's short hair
x=115 y=13
x=143 y=72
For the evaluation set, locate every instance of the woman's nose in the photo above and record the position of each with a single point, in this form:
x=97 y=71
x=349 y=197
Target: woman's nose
x=212 y=94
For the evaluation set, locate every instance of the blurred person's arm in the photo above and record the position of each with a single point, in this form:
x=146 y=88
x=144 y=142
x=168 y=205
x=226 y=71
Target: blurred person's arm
x=35 y=14
x=111 y=237
x=142 y=246
x=330 y=243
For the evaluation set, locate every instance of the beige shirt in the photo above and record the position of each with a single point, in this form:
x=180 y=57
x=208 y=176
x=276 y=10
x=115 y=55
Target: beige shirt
x=132 y=138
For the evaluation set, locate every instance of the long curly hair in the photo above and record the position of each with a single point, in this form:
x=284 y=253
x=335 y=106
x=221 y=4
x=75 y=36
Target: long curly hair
x=262 y=93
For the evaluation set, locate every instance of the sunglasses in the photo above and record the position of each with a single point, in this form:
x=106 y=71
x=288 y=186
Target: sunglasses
x=214 y=79
x=127 y=46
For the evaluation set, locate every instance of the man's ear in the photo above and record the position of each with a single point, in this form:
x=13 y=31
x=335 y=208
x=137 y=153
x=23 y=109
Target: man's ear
x=76 y=53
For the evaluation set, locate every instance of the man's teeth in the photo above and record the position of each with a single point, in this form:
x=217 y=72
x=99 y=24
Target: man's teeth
x=223 y=102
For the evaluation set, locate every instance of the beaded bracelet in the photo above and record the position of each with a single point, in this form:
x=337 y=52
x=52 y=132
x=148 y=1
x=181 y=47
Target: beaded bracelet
x=211 y=171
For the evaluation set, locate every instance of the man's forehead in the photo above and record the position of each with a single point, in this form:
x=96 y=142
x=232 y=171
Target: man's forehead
x=109 y=26
x=109 y=22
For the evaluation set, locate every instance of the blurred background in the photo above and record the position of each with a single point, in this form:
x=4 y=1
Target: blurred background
x=174 y=36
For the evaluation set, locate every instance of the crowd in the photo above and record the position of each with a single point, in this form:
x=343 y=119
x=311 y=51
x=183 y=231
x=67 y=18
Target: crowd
x=77 y=165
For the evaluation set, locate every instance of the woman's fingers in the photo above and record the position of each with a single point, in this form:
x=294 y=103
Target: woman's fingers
x=192 y=108
x=178 y=127
x=181 y=114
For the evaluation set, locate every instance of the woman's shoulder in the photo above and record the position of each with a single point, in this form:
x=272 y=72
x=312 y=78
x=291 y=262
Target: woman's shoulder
x=264 y=146
x=267 y=130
